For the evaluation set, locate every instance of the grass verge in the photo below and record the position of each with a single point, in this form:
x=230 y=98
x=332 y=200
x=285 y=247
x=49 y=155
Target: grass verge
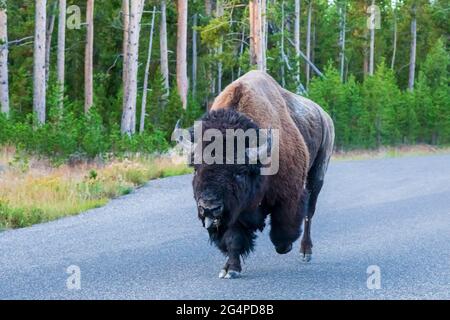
x=32 y=191
x=390 y=152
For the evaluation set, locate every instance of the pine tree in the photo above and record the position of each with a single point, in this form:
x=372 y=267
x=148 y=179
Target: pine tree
x=434 y=79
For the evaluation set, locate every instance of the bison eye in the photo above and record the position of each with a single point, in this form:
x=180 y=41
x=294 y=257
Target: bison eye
x=239 y=177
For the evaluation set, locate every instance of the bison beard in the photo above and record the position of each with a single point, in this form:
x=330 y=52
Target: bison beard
x=235 y=199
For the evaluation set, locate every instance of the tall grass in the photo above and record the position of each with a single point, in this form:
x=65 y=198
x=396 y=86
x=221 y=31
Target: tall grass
x=33 y=191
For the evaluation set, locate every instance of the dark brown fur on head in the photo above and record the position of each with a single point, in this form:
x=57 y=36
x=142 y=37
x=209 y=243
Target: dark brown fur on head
x=236 y=188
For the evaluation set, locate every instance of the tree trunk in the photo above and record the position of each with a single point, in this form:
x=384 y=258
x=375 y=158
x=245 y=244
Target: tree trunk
x=297 y=37
x=163 y=47
x=219 y=13
x=209 y=66
x=308 y=41
x=61 y=50
x=208 y=7
x=88 y=57
x=39 y=61
x=343 y=10
x=128 y=125
x=412 y=57
x=4 y=90
x=146 y=74
x=256 y=34
x=264 y=31
x=283 y=81
x=48 y=38
x=194 y=55
x=182 y=80
x=126 y=26
x=372 y=40
x=241 y=48
x=313 y=39
x=394 y=50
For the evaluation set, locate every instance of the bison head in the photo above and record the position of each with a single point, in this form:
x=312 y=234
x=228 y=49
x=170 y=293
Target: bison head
x=224 y=190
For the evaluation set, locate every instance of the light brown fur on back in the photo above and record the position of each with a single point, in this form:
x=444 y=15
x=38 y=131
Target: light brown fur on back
x=259 y=96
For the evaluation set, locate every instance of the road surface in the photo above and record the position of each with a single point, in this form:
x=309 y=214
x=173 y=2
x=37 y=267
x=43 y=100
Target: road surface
x=390 y=215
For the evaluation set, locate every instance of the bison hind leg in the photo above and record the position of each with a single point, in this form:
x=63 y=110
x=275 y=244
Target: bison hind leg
x=286 y=220
x=284 y=248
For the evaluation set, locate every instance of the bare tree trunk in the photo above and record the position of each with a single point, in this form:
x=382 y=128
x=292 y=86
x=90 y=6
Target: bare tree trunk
x=61 y=50
x=163 y=47
x=4 y=83
x=264 y=31
x=256 y=35
x=182 y=80
x=343 y=10
x=88 y=57
x=146 y=74
x=48 y=38
x=126 y=26
x=297 y=37
x=128 y=125
x=194 y=55
x=308 y=41
x=208 y=7
x=313 y=39
x=283 y=81
x=241 y=48
x=394 y=50
x=39 y=61
x=372 y=40
x=412 y=57
x=209 y=73
x=219 y=13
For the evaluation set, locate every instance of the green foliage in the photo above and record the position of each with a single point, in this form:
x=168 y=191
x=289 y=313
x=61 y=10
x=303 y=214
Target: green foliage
x=381 y=97
x=376 y=112
x=172 y=112
x=193 y=112
x=65 y=136
x=433 y=96
x=368 y=111
x=18 y=217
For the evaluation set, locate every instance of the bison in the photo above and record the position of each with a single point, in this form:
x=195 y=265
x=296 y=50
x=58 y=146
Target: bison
x=233 y=200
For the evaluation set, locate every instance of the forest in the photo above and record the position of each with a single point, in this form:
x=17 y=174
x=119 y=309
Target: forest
x=92 y=78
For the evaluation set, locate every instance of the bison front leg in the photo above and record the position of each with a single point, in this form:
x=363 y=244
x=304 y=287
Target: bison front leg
x=238 y=241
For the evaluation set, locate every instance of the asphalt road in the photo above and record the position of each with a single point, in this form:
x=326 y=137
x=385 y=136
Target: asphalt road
x=390 y=213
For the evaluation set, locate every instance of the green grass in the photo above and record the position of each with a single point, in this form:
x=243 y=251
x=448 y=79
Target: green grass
x=39 y=192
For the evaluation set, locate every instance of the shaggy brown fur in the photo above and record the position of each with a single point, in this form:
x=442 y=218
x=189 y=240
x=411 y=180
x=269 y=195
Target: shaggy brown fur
x=306 y=136
x=259 y=96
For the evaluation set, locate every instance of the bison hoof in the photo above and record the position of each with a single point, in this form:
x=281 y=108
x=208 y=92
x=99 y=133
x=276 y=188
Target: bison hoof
x=222 y=273
x=231 y=274
x=284 y=249
x=306 y=257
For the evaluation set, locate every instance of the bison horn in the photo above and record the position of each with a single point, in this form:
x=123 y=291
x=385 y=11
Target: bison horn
x=263 y=151
x=182 y=137
x=208 y=222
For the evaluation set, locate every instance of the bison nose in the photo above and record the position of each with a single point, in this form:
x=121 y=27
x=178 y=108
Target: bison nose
x=210 y=208
x=213 y=211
